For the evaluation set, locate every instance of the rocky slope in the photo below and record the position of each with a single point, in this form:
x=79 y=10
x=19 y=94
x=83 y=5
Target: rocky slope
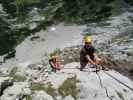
x=69 y=84
x=28 y=76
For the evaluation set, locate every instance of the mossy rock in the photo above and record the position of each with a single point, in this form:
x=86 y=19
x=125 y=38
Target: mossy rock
x=69 y=87
x=16 y=77
x=13 y=71
x=44 y=87
x=120 y=95
x=19 y=78
x=28 y=97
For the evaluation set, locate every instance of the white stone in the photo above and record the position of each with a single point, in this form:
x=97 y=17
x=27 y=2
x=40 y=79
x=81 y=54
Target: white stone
x=41 y=95
x=68 y=98
x=52 y=28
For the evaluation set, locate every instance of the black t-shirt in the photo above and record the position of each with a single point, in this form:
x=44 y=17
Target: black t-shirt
x=87 y=50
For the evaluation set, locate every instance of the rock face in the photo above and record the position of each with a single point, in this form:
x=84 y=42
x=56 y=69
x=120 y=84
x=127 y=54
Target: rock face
x=5 y=82
x=48 y=42
x=113 y=42
x=94 y=86
x=114 y=39
x=72 y=84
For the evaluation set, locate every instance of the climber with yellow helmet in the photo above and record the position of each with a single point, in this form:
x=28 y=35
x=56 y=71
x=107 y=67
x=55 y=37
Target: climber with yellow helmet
x=87 y=53
x=55 y=63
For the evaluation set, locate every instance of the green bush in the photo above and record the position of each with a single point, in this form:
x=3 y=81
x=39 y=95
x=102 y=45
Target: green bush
x=44 y=87
x=28 y=97
x=69 y=88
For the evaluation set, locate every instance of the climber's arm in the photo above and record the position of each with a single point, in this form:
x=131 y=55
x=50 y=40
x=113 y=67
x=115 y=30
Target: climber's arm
x=90 y=60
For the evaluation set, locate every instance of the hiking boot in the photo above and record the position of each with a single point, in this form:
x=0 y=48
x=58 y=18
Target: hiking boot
x=105 y=68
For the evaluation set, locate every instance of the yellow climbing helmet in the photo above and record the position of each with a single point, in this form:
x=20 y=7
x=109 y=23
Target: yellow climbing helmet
x=54 y=56
x=87 y=39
